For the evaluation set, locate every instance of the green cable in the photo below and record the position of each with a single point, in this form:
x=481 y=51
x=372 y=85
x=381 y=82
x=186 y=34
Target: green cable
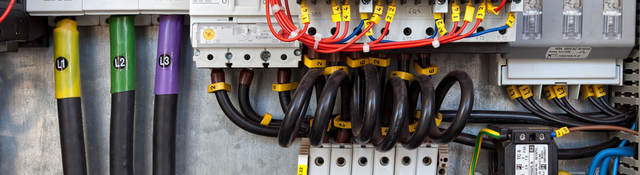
x=476 y=151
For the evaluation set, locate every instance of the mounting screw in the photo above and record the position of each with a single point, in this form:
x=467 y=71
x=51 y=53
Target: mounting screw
x=517 y=1
x=541 y=136
x=440 y=2
x=365 y=1
x=297 y=52
x=265 y=55
x=229 y=55
x=523 y=136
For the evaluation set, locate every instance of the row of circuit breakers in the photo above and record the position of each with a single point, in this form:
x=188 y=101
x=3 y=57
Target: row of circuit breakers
x=234 y=33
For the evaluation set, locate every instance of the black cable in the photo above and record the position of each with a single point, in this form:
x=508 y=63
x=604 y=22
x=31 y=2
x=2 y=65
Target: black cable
x=298 y=107
x=541 y=112
x=601 y=106
x=563 y=104
x=398 y=117
x=427 y=94
x=164 y=134
x=324 y=109
x=72 y=136
x=501 y=117
x=247 y=109
x=283 y=77
x=464 y=108
x=364 y=128
x=121 y=138
x=608 y=106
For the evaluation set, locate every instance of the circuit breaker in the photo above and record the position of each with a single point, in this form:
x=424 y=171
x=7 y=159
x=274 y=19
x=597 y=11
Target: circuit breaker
x=103 y=7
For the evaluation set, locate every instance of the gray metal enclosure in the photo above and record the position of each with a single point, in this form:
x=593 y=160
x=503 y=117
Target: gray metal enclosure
x=207 y=142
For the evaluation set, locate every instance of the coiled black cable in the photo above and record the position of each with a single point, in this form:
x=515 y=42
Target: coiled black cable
x=363 y=128
x=398 y=117
x=464 y=108
x=298 y=107
x=284 y=77
x=425 y=122
x=324 y=109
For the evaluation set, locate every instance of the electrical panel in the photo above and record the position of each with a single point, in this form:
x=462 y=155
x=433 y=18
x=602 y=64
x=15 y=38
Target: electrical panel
x=235 y=33
x=603 y=29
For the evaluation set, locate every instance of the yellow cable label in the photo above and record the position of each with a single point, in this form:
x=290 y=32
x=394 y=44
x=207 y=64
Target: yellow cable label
x=438 y=119
x=302 y=170
x=221 y=86
x=437 y=16
x=284 y=87
x=384 y=130
x=482 y=11
x=511 y=19
x=455 y=12
x=356 y=63
x=266 y=119
x=366 y=25
x=317 y=63
x=341 y=124
x=549 y=93
x=513 y=91
x=391 y=12
x=586 y=91
x=599 y=91
x=336 y=9
x=442 y=30
x=412 y=127
x=431 y=70
x=379 y=62
x=304 y=14
x=375 y=18
x=66 y=59
x=336 y=18
x=378 y=9
x=331 y=69
x=403 y=75
x=364 y=16
x=559 y=91
x=491 y=8
x=468 y=13
x=525 y=91
x=346 y=12
x=562 y=131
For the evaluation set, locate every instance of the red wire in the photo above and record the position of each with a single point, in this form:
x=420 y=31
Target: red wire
x=500 y=6
x=6 y=11
x=287 y=25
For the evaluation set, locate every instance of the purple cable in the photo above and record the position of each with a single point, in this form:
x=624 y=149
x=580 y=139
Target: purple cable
x=167 y=67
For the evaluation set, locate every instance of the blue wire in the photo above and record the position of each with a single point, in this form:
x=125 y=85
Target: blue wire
x=434 y=34
x=488 y=30
x=359 y=28
x=616 y=162
x=624 y=151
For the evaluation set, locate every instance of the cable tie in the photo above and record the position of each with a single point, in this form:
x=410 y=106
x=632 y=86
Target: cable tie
x=365 y=48
x=317 y=37
x=294 y=33
x=436 y=42
x=275 y=9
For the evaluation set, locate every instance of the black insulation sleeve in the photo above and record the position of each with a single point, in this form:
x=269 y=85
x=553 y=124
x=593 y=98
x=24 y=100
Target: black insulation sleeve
x=398 y=117
x=298 y=107
x=601 y=106
x=547 y=115
x=72 y=136
x=464 y=108
x=121 y=139
x=606 y=104
x=427 y=94
x=362 y=131
x=247 y=109
x=241 y=121
x=565 y=106
x=285 y=99
x=501 y=117
x=164 y=134
x=324 y=109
